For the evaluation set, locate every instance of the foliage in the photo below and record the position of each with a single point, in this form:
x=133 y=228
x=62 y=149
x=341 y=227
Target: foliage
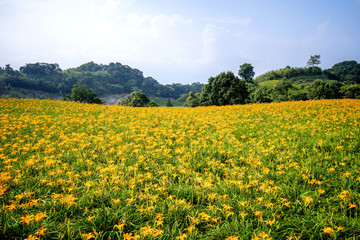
x=347 y=71
x=298 y=96
x=351 y=91
x=78 y=171
x=314 y=60
x=152 y=103
x=320 y=89
x=193 y=100
x=138 y=99
x=282 y=87
x=261 y=95
x=224 y=89
x=105 y=80
x=40 y=69
x=82 y=93
x=168 y=103
x=290 y=72
x=183 y=97
x=246 y=72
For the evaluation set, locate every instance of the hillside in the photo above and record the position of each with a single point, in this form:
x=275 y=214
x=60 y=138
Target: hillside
x=342 y=71
x=50 y=81
x=292 y=83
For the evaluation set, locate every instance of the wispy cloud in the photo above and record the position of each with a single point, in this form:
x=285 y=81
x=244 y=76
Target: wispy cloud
x=323 y=27
x=210 y=36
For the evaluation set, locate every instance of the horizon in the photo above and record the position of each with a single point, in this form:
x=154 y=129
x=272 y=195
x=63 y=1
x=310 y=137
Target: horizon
x=179 y=41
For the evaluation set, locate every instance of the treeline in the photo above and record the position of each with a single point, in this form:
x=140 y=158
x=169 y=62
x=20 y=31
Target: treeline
x=287 y=84
x=104 y=80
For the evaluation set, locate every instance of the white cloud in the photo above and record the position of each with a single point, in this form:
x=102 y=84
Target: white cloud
x=210 y=36
x=161 y=24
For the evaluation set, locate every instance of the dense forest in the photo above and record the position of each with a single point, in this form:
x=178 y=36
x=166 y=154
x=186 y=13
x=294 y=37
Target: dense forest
x=50 y=81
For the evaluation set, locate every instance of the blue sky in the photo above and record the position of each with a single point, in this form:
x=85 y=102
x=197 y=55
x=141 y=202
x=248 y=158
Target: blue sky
x=179 y=40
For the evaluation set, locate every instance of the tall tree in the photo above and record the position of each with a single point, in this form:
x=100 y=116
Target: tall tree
x=224 y=89
x=168 y=103
x=246 y=72
x=313 y=61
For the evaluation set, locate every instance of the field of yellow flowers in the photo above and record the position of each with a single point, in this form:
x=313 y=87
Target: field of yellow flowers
x=264 y=171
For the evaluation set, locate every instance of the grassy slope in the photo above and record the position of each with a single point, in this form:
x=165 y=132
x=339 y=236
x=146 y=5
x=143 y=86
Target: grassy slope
x=269 y=84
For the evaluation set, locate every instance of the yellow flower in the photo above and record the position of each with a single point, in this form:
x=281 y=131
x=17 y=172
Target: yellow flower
x=321 y=191
x=88 y=236
x=182 y=236
x=243 y=215
x=41 y=231
x=339 y=228
x=270 y=222
x=352 y=205
x=26 y=219
x=190 y=228
x=146 y=231
x=31 y=237
x=328 y=230
x=127 y=236
x=40 y=216
x=10 y=207
x=119 y=226
x=308 y=200
x=232 y=238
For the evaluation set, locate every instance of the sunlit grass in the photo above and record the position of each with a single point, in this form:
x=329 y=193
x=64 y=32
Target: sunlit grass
x=265 y=171
x=269 y=84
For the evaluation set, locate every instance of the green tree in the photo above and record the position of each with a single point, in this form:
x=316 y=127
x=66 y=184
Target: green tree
x=137 y=99
x=182 y=98
x=347 y=71
x=2 y=84
x=169 y=104
x=193 y=100
x=224 y=89
x=321 y=89
x=313 y=61
x=83 y=93
x=246 y=72
x=152 y=103
x=282 y=87
x=351 y=91
x=281 y=90
x=261 y=95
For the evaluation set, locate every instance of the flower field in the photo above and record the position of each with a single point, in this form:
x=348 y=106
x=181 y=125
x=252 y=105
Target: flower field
x=264 y=171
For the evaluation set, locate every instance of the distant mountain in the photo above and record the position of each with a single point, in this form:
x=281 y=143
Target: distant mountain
x=49 y=80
